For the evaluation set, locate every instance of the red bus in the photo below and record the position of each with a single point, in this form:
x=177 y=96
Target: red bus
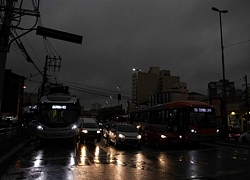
x=195 y=121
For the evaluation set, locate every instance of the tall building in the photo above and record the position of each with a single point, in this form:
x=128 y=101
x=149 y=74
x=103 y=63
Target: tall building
x=215 y=89
x=156 y=85
x=143 y=85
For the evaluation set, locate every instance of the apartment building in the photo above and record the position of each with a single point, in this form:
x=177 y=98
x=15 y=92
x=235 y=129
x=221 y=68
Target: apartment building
x=156 y=86
x=215 y=89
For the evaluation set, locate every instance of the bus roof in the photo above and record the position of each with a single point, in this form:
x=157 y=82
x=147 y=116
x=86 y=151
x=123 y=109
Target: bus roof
x=175 y=105
x=58 y=99
x=185 y=104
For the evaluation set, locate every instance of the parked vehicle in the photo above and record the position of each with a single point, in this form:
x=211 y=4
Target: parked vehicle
x=124 y=134
x=244 y=137
x=89 y=130
x=234 y=131
x=160 y=135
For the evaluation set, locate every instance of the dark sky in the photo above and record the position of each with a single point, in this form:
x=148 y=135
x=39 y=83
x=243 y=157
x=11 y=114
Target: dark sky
x=182 y=36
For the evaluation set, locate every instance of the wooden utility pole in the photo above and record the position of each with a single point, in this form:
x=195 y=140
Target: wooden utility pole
x=4 y=43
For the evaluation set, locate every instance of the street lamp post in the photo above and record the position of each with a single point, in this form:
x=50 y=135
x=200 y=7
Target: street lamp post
x=224 y=109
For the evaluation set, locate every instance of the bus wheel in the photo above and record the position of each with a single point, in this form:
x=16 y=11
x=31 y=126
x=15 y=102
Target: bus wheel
x=116 y=144
x=157 y=144
x=143 y=141
x=82 y=140
x=244 y=140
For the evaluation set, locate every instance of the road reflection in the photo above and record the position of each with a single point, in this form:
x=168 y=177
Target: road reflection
x=62 y=160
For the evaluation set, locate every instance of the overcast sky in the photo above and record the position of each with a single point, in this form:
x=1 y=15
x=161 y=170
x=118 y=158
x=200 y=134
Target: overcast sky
x=182 y=36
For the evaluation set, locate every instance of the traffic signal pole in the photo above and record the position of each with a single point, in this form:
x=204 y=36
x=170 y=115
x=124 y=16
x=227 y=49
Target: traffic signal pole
x=4 y=43
x=247 y=102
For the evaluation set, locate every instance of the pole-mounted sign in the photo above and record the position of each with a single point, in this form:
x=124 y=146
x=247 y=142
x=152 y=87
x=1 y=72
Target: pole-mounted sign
x=59 y=35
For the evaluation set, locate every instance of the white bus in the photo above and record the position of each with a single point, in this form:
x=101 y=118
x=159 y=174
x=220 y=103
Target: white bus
x=57 y=117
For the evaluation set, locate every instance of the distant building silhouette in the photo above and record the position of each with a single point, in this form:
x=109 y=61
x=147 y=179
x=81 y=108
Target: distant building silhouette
x=155 y=87
x=12 y=93
x=215 y=89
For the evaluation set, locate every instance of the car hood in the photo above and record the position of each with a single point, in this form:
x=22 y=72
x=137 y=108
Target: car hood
x=90 y=129
x=128 y=133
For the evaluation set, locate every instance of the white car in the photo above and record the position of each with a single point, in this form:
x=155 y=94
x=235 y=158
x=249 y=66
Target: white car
x=244 y=137
x=124 y=134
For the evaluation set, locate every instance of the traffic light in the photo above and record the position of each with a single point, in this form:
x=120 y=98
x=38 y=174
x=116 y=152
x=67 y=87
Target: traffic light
x=119 y=97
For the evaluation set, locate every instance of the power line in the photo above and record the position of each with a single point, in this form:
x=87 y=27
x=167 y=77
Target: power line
x=237 y=43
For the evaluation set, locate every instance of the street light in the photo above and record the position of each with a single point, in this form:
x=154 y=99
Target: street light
x=136 y=70
x=223 y=70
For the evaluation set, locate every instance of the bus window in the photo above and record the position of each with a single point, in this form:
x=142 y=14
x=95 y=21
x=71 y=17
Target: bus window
x=211 y=120
x=197 y=119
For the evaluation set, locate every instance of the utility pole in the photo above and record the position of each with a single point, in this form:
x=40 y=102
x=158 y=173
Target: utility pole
x=247 y=103
x=4 y=43
x=10 y=14
x=49 y=63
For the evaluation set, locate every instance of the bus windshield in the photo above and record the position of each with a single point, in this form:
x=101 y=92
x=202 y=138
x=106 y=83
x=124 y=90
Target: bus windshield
x=202 y=120
x=51 y=115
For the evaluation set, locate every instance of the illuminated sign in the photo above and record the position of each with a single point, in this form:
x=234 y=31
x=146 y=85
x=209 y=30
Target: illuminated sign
x=202 y=110
x=58 y=107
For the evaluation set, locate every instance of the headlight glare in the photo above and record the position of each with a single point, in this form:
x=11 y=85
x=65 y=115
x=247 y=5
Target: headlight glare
x=85 y=131
x=193 y=131
x=163 y=136
x=73 y=127
x=121 y=136
x=40 y=127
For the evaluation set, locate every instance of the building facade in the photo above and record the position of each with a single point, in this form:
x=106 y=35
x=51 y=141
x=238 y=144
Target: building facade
x=12 y=93
x=215 y=89
x=157 y=86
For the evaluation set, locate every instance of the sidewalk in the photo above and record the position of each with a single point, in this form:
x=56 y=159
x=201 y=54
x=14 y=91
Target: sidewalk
x=6 y=156
x=232 y=143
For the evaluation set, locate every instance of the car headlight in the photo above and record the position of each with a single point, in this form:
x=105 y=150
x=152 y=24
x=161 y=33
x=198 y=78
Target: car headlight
x=121 y=136
x=73 y=127
x=180 y=136
x=85 y=131
x=39 y=127
x=163 y=136
x=98 y=131
x=217 y=130
x=138 y=136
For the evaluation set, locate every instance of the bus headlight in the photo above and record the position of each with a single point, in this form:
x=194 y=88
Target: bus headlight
x=39 y=127
x=163 y=136
x=193 y=131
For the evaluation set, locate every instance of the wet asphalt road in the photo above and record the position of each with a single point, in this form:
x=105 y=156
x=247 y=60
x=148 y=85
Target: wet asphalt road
x=65 y=160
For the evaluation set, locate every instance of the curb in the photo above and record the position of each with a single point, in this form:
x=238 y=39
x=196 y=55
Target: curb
x=13 y=150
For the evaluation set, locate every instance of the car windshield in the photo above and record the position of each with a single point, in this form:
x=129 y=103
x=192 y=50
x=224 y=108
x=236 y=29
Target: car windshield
x=127 y=128
x=161 y=129
x=89 y=125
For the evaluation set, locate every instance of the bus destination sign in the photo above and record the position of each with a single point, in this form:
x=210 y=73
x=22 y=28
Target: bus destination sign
x=204 y=110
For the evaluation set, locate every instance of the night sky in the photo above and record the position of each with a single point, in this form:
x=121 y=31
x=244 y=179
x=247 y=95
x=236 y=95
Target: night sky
x=182 y=36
